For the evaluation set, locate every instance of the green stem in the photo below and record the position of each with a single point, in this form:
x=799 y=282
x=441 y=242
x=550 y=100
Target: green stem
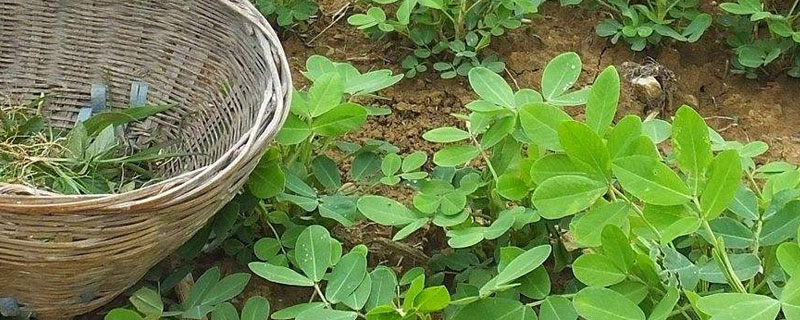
x=682 y=310
x=603 y=3
x=321 y=296
x=536 y=303
x=723 y=260
x=639 y=212
x=752 y=181
x=483 y=154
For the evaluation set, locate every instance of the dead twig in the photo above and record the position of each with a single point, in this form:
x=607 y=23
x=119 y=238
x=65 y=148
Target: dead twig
x=336 y=17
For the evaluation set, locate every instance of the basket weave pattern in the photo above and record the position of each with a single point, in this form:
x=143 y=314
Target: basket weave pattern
x=221 y=66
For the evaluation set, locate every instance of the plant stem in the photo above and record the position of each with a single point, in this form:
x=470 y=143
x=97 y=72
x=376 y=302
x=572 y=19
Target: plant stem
x=536 y=303
x=794 y=6
x=483 y=154
x=752 y=181
x=639 y=212
x=681 y=310
x=321 y=296
x=723 y=260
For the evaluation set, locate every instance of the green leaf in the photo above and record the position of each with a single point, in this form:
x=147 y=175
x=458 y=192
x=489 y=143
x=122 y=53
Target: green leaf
x=634 y=291
x=280 y=274
x=734 y=233
x=520 y=266
x=313 y=252
x=227 y=288
x=560 y=75
x=511 y=187
x=617 y=247
x=123 y=314
x=295 y=310
x=225 y=311
x=739 y=306
x=365 y=165
x=385 y=211
x=574 y=98
x=491 y=87
x=657 y=130
x=597 y=270
x=372 y=81
x=596 y=303
x=650 y=180
x=723 y=181
x=201 y=288
x=455 y=155
x=692 y=145
x=147 y=301
x=417 y=285
x=466 y=237
x=603 y=100
x=498 y=131
x=325 y=94
x=317 y=66
x=103 y=143
x=540 y=122
x=495 y=309
x=557 y=308
x=739 y=8
x=384 y=285
x=446 y=135
x=525 y=96
x=535 y=285
x=294 y=131
x=414 y=161
x=664 y=307
x=790 y=297
x=346 y=277
x=391 y=164
x=108 y=119
x=585 y=148
x=622 y=139
x=77 y=140
x=432 y=299
x=327 y=314
x=789 y=257
x=358 y=299
x=256 y=308
x=499 y=227
x=745 y=204
x=566 y=195
x=339 y=208
x=671 y=221
x=588 y=228
x=783 y=225
x=553 y=165
x=410 y=228
x=339 y=120
x=327 y=172
x=745 y=266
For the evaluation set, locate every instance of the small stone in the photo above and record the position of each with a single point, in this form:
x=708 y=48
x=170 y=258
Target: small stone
x=691 y=100
x=648 y=89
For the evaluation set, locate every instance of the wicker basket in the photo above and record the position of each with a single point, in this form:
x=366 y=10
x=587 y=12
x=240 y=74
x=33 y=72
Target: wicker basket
x=221 y=66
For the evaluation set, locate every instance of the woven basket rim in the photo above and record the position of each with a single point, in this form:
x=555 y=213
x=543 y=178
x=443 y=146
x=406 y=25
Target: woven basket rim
x=173 y=189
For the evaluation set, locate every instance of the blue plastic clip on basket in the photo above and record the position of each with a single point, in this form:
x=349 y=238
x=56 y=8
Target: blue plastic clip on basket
x=217 y=62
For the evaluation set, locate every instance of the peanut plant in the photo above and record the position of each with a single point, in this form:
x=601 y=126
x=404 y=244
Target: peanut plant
x=448 y=35
x=761 y=35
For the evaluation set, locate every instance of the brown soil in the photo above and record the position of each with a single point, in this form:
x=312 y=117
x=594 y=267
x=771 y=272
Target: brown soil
x=740 y=108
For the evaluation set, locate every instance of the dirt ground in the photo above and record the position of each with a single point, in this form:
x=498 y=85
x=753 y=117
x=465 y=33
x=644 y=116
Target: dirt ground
x=743 y=109
x=766 y=109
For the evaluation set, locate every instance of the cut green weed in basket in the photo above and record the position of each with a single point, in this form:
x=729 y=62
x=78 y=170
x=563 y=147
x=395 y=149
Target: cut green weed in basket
x=88 y=159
